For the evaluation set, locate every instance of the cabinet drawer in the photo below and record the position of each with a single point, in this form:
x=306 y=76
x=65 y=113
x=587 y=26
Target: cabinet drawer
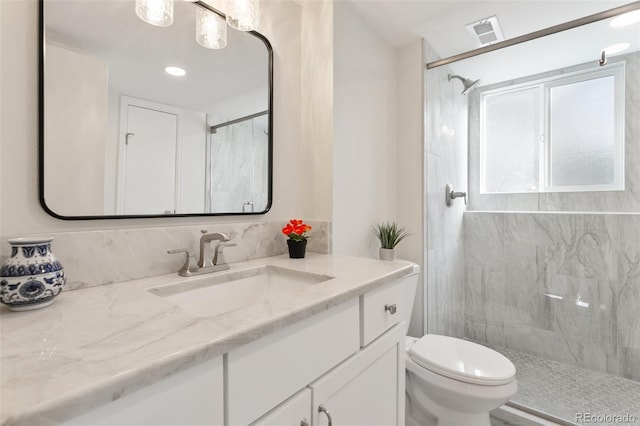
x=267 y=371
x=387 y=306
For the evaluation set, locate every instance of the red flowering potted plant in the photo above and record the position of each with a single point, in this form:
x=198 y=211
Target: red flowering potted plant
x=296 y=230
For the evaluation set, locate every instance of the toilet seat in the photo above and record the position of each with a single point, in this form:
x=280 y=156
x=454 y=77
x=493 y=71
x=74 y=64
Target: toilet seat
x=462 y=360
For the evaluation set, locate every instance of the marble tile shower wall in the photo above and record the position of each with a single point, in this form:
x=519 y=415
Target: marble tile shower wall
x=446 y=158
x=605 y=201
x=100 y=257
x=561 y=286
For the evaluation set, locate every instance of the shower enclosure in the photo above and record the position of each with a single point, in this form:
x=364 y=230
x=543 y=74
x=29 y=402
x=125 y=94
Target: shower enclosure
x=543 y=264
x=237 y=165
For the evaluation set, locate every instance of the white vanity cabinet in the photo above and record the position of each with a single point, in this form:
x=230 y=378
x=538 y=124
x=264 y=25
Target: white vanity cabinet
x=188 y=398
x=266 y=372
x=367 y=389
x=364 y=389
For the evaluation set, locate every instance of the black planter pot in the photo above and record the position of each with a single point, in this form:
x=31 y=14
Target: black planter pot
x=297 y=249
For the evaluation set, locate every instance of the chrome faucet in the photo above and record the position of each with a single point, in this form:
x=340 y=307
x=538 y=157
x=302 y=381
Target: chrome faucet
x=204 y=242
x=203 y=267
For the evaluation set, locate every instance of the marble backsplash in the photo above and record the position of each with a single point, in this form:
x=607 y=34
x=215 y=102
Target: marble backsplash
x=563 y=286
x=93 y=258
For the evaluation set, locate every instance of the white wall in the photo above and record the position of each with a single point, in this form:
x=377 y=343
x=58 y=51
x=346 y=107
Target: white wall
x=378 y=150
x=192 y=162
x=21 y=212
x=316 y=119
x=364 y=151
x=410 y=191
x=76 y=133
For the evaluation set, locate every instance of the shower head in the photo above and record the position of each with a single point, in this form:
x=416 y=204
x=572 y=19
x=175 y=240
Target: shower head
x=467 y=83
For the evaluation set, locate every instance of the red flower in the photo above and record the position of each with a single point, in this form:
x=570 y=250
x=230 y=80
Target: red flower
x=296 y=229
x=287 y=229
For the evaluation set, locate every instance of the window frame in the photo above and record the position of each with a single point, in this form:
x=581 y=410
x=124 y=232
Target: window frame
x=544 y=86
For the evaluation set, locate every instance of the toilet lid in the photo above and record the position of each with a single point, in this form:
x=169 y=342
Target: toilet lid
x=462 y=360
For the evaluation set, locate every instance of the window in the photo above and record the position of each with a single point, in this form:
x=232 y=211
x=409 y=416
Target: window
x=560 y=134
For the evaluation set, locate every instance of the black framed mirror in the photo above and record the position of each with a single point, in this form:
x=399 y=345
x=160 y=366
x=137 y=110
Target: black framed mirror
x=120 y=137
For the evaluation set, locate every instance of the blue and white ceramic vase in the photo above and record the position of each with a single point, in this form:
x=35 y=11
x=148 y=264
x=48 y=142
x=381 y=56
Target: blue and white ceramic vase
x=32 y=276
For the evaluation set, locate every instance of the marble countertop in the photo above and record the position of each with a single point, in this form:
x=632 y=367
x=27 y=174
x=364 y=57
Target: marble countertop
x=94 y=345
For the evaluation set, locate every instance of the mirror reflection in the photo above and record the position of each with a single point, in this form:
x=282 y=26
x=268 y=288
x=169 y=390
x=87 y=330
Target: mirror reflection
x=144 y=120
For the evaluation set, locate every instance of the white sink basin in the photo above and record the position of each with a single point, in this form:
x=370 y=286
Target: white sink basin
x=211 y=295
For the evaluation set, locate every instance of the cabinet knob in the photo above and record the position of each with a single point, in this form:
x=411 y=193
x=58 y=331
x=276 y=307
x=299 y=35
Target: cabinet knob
x=321 y=409
x=390 y=308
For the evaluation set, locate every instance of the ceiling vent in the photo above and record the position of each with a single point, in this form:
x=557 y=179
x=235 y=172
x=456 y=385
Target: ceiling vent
x=486 y=31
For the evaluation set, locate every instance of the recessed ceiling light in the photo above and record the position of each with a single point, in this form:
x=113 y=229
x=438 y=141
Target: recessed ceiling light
x=177 y=71
x=616 y=48
x=626 y=19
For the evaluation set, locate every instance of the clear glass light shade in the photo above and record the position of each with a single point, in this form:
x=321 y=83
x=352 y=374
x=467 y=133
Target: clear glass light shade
x=243 y=15
x=211 y=29
x=155 y=12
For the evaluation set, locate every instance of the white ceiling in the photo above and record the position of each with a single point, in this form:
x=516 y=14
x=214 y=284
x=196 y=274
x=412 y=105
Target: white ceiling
x=443 y=24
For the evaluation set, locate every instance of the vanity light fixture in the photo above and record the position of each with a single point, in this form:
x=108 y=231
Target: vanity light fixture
x=175 y=71
x=616 y=48
x=625 y=19
x=155 y=12
x=211 y=29
x=243 y=15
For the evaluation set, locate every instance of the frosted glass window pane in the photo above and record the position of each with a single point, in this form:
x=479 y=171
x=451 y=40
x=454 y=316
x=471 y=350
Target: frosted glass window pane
x=583 y=133
x=511 y=141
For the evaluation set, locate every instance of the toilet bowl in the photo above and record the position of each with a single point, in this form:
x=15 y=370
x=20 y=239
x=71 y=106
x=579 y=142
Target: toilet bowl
x=454 y=382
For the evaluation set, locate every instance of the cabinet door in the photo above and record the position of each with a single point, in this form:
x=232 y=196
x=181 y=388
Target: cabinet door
x=367 y=389
x=294 y=412
x=187 y=398
x=267 y=371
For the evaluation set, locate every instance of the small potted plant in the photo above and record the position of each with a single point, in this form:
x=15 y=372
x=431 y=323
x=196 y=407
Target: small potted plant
x=296 y=230
x=389 y=235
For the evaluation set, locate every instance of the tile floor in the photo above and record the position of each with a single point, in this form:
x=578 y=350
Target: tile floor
x=574 y=394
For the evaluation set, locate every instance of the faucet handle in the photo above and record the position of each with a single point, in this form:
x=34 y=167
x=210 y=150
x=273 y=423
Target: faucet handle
x=184 y=270
x=218 y=257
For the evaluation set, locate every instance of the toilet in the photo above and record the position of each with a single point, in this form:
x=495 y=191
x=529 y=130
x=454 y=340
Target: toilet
x=451 y=381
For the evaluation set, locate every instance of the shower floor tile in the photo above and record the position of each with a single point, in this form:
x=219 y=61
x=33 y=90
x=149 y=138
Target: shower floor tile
x=574 y=394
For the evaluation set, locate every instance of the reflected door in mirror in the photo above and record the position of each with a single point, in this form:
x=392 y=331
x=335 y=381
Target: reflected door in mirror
x=149 y=162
